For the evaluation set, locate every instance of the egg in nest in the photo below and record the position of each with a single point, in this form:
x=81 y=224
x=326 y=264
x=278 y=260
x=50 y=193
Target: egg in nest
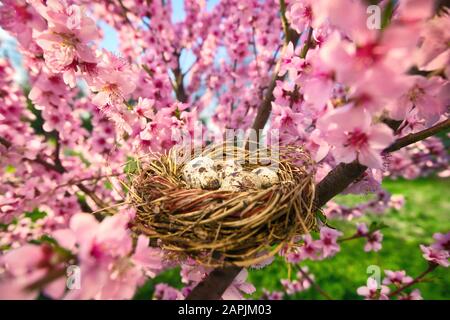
x=267 y=176
x=199 y=173
x=225 y=168
x=240 y=181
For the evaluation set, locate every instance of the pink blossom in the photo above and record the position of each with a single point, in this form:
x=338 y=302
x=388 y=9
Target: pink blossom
x=291 y=62
x=349 y=130
x=111 y=89
x=413 y=295
x=327 y=242
x=426 y=95
x=165 y=292
x=397 y=201
x=65 y=43
x=24 y=267
x=309 y=249
x=299 y=284
x=373 y=241
x=238 y=287
x=442 y=241
x=373 y=291
x=274 y=295
x=300 y=15
x=434 y=255
x=397 y=278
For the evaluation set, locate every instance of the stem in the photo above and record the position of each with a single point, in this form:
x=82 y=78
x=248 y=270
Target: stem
x=314 y=284
x=48 y=278
x=307 y=44
x=60 y=169
x=353 y=237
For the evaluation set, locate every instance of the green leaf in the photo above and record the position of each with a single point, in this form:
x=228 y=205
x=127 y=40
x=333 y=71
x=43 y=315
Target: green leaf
x=108 y=185
x=131 y=166
x=387 y=14
x=10 y=169
x=36 y=214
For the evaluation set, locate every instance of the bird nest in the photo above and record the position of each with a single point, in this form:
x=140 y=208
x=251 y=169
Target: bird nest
x=217 y=227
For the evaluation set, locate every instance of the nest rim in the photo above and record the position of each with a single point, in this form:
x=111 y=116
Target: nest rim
x=204 y=225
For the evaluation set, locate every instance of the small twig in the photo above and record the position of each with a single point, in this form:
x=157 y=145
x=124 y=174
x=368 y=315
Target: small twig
x=314 y=284
x=418 y=136
x=419 y=278
x=307 y=44
x=355 y=236
x=255 y=52
x=60 y=169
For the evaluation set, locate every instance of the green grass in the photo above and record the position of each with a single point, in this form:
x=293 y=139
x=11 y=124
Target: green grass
x=426 y=211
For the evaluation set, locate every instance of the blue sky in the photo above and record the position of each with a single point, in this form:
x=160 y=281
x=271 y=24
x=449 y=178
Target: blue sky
x=111 y=41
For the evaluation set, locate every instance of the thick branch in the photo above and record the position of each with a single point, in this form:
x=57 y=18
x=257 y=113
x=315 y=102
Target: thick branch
x=345 y=173
x=334 y=183
x=178 y=85
x=215 y=284
x=418 y=136
x=266 y=106
x=337 y=181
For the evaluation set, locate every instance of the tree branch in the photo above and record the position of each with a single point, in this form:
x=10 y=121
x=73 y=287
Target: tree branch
x=266 y=106
x=418 y=136
x=314 y=284
x=430 y=268
x=215 y=284
x=57 y=167
x=334 y=183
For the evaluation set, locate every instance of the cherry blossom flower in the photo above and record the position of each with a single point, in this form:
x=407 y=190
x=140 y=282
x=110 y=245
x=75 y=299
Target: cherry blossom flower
x=426 y=95
x=397 y=278
x=238 y=287
x=274 y=295
x=413 y=295
x=442 y=241
x=374 y=241
x=327 y=242
x=65 y=43
x=372 y=291
x=165 y=292
x=434 y=255
x=350 y=131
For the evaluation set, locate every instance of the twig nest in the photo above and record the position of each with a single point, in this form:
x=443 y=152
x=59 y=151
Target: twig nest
x=267 y=176
x=199 y=173
x=239 y=223
x=240 y=181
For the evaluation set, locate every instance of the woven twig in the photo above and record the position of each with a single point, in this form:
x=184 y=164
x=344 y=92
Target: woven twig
x=218 y=227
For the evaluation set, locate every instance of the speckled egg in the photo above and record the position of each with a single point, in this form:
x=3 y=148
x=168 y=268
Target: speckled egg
x=226 y=167
x=240 y=181
x=267 y=176
x=200 y=173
